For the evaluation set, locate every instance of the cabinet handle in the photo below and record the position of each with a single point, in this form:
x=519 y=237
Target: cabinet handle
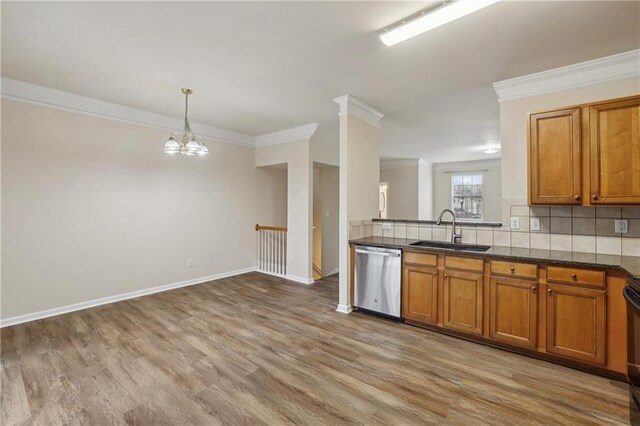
x=435 y=272
x=594 y=197
x=513 y=269
x=446 y=275
x=577 y=197
x=574 y=277
x=549 y=291
x=534 y=288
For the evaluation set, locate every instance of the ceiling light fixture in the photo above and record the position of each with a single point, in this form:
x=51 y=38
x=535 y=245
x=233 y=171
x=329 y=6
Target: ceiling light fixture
x=185 y=142
x=492 y=150
x=433 y=18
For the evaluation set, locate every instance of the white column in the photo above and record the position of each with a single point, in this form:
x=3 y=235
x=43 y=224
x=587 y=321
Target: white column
x=425 y=190
x=359 y=177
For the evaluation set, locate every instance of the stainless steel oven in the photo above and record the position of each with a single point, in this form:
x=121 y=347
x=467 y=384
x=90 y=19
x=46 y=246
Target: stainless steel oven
x=632 y=294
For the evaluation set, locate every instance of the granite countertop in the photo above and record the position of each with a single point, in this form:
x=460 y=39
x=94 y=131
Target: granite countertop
x=444 y=222
x=629 y=264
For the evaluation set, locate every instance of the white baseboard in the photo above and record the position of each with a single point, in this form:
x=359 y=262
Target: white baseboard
x=300 y=280
x=110 y=299
x=345 y=309
x=335 y=271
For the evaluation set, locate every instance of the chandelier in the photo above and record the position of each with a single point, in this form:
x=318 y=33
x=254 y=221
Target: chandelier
x=185 y=142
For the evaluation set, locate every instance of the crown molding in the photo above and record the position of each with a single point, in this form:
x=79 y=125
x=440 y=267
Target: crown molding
x=355 y=107
x=22 y=91
x=471 y=165
x=616 y=67
x=398 y=164
x=288 y=135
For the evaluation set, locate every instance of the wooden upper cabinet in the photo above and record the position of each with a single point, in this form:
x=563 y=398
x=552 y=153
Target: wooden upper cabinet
x=463 y=301
x=513 y=312
x=614 y=143
x=420 y=293
x=576 y=323
x=555 y=175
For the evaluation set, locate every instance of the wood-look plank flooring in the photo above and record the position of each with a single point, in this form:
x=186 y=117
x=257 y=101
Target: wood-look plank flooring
x=255 y=349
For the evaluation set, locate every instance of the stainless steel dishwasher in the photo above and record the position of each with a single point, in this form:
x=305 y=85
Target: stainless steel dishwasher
x=377 y=280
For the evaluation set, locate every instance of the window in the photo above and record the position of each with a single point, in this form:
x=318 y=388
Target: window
x=466 y=196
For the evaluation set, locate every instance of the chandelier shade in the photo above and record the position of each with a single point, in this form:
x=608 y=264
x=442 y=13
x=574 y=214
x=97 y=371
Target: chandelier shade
x=185 y=142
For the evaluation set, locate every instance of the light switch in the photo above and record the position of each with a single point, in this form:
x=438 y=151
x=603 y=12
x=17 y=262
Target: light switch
x=515 y=222
x=326 y=214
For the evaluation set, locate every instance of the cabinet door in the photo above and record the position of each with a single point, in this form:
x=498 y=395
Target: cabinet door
x=576 y=320
x=614 y=142
x=420 y=294
x=554 y=157
x=463 y=301
x=513 y=313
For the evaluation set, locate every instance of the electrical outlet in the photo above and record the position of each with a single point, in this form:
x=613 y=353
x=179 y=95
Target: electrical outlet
x=327 y=214
x=190 y=262
x=386 y=225
x=515 y=223
x=621 y=226
x=534 y=224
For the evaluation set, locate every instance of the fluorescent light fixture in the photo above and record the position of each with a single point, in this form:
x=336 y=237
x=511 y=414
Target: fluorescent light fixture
x=430 y=19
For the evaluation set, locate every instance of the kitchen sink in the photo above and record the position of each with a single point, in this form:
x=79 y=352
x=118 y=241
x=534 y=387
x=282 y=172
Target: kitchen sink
x=451 y=246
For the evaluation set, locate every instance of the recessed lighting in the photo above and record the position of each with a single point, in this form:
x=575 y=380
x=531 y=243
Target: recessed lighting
x=430 y=19
x=491 y=150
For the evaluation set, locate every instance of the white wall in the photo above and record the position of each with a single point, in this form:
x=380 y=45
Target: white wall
x=402 y=196
x=514 y=127
x=92 y=208
x=491 y=185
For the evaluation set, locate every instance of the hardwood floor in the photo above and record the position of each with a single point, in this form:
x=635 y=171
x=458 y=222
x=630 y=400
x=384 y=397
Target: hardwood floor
x=255 y=349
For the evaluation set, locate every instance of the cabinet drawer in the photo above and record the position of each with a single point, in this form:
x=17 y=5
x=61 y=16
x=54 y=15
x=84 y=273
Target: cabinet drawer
x=524 y=270
x=466 y=263
x=575 y=276
x=420 y=258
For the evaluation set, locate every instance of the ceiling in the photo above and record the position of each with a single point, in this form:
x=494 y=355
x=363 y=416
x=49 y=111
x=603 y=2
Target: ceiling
x=260 y=67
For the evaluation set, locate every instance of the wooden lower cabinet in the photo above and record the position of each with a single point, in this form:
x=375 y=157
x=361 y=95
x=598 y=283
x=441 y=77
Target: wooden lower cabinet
x=463 y=301
x=576 y=323
x=559 y=313
x=420 y=293
x=513 y=311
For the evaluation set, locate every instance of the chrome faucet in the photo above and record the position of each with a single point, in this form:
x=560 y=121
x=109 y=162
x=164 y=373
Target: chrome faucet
x=455 y=238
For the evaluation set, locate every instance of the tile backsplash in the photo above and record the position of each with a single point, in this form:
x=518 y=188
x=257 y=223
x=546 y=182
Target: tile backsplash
x=566 y=228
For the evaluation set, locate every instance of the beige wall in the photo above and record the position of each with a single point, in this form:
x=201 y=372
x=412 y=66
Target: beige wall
x=297 y=156
x=92 y=208
x=402 y=191
x=329 y=183
x=491 y=185
x=271 y=196
x=317 y=219
x=513 y=127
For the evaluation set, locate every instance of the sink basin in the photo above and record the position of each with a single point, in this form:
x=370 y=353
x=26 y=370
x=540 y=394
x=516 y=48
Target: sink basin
x=451 y=246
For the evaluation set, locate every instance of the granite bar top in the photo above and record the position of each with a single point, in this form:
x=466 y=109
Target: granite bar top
x=445 y=222
x=629 y=264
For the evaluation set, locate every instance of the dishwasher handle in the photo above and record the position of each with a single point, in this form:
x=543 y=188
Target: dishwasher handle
x=378 y=253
